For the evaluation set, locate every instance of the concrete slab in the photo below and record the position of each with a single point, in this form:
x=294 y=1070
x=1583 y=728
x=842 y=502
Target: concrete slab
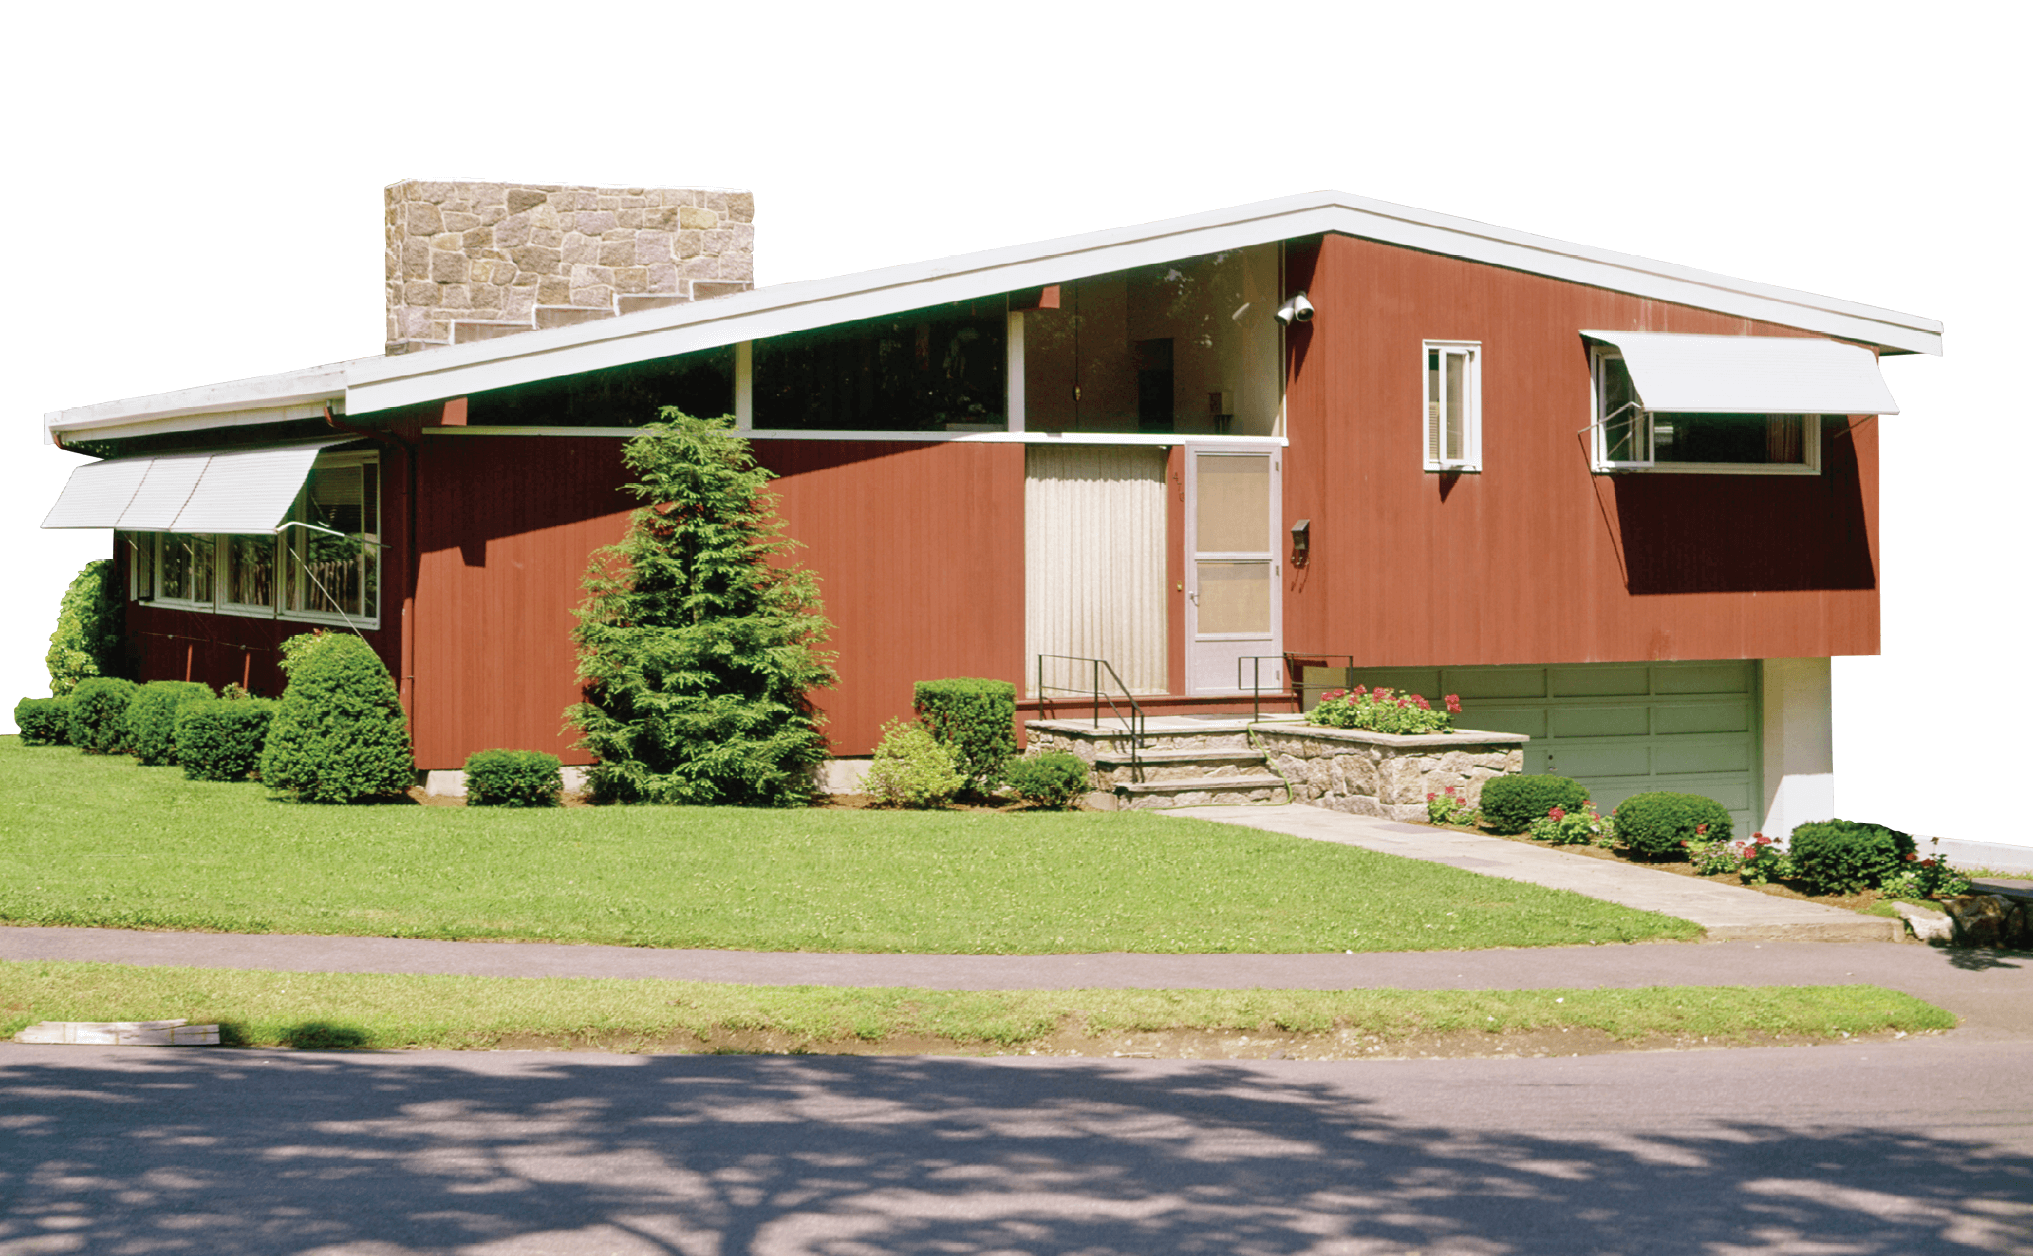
x=1727 y=912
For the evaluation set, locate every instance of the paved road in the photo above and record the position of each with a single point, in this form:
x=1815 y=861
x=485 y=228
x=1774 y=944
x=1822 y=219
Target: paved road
x=1867 y=1150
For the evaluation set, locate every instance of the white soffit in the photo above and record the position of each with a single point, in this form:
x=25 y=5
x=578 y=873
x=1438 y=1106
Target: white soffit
x=375 y=384
x=1681 y=374
x=277 y=398
x=242 y=491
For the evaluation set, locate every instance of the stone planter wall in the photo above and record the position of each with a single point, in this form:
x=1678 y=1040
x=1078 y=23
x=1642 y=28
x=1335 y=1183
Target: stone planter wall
x=1384 y=774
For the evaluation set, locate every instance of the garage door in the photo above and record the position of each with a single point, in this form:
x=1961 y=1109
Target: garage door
x=1618 y=728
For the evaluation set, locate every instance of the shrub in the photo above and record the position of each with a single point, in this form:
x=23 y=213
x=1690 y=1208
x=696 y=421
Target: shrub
x=1511 y=803
x=513 y=778
x=1056 y=778
x=976 y=720
x=86 y=642
x=98 y=713
x=1562 y=826
x=151 y=718
x=699 y=640
x=220 y=739
x=43 y=721
x=1663 y=823
x=1844 y=856
x=911 y=768
x=1383 y=711
x=338 y=733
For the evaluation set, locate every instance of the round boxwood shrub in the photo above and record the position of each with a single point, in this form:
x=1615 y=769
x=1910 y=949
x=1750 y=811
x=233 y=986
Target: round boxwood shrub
x=912 y=769
x=98 y=714
x=1511 y=803
x=338 y=734
x=220 y=739
x=976 y=720
x=43 y=721
x=1844 y=856
x=1056 y=778
x=151 y=718
x=513 y=778
x=1662 y=823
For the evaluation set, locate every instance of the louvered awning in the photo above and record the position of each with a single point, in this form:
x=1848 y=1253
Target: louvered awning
x=236 y=491
x=1683 y=374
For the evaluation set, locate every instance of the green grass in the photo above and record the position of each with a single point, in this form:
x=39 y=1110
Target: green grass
x=92 y=840
x=381 y=1010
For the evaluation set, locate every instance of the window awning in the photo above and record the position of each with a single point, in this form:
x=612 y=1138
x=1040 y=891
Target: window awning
x=243 y=491
x=1682 y=374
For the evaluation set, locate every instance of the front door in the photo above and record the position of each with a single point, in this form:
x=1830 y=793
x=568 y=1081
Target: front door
x=1233 y=611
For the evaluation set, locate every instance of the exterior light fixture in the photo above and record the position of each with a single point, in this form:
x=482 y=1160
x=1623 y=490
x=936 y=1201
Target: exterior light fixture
x=1302 y=541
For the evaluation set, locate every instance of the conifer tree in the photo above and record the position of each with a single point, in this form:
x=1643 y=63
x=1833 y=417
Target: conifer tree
x=699 y=642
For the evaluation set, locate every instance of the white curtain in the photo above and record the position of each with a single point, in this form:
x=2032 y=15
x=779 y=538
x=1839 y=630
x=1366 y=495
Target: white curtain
x=1094 y=563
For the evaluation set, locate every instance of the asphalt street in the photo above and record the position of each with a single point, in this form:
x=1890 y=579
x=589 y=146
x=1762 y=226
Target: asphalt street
x=1922 y=1146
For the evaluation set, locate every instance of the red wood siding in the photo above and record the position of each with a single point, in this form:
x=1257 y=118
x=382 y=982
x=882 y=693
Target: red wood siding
x=918 y=549
x=1536 y=560
x=920 y=556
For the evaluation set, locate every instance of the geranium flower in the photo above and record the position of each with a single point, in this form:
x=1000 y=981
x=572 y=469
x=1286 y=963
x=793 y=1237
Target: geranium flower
x=1701 y=830
x=1556 y=813
x=1454 y=703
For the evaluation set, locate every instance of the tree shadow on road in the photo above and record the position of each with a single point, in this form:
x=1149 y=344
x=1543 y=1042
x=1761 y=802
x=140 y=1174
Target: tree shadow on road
x=392 y=1153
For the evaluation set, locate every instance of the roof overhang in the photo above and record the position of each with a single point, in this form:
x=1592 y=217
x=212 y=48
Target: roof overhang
x=279 y=398
x=1682 y=374
x=371 y=385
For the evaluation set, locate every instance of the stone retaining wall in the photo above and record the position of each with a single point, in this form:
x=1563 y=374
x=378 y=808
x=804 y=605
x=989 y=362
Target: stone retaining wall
x=494 y=254
x=1384 y=774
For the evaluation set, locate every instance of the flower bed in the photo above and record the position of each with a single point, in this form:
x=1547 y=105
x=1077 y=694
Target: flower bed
x=1383 y=711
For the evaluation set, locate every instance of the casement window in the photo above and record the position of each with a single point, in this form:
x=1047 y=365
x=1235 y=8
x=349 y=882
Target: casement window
x=1453 y=405
x=1629 y=437
x=322 y=565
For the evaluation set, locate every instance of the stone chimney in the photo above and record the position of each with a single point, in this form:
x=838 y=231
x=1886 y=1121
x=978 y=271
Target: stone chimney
x=472 y=261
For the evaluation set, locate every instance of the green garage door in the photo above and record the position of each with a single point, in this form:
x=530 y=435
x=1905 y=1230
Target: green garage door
x=1618 y=728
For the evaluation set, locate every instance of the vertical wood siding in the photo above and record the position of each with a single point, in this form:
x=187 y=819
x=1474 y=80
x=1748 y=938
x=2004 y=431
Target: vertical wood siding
x=1535 y=559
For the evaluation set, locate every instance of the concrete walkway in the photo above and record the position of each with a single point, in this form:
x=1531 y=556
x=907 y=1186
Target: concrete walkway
x=1728 y=912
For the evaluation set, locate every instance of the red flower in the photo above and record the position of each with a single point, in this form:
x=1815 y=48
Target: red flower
x=1431 y=797
x=1555 y=813
x=1911 y=858
x=1362 y=689
x=1450 y=791
x=1332 y=694
x=1700 y=830
x=1454 y=703
x=1927 y=863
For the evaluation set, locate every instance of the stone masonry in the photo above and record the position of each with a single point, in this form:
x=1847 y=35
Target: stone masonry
x=1384 y=774
x=471 y=261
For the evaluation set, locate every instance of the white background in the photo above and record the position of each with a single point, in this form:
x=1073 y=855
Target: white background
x=193 y=194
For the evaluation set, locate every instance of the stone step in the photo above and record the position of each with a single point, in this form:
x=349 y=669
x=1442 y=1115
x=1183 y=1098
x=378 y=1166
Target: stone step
x=1226 y=791
x=1116 y=744
x=1150 y=766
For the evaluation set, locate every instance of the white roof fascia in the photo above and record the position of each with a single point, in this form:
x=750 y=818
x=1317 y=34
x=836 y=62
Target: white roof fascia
x=384 y=383
x=263 y=399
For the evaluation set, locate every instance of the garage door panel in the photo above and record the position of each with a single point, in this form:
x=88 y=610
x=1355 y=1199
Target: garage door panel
x=1617 y=721
x=1504 y=682
x=1705 y=678
x=1597 y=682
x=1715 y=717
x=1673 y=757
x=1614 y=759
x=1531 y=721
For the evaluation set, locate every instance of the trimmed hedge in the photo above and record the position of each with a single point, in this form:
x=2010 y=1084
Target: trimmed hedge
x=98 y=714
x=220 y=739
x=513 y=778
x=975 y=719
x=339 y=734
x=1056 y=778
x=1662 y=823
x=1510 y=803
x=43 y=721
x=1844 y=856
x=89 y=625
x=151 y=718
x=912 y=768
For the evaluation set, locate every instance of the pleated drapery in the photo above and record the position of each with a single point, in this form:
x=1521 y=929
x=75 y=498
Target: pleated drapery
x=1094 y=563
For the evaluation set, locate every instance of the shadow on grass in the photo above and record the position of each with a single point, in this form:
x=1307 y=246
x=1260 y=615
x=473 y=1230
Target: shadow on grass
x=322 y=1036
x=662 y=1154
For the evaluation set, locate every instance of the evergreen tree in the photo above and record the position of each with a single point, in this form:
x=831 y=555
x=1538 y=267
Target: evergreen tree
x=699 y=642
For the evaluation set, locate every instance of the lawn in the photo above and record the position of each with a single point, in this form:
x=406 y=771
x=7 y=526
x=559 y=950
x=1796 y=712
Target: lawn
x=383 y=1010
x=89 y=840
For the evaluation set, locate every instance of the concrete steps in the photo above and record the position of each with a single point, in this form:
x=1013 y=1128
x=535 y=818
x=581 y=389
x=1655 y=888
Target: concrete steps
x=1180 y=761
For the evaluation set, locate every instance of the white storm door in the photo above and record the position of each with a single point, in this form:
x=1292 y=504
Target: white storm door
x=1233 y=608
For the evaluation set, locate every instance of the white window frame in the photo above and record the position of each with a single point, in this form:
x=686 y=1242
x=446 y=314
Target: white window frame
x=147 y=570
x=1432 y=434
x=1810 y=438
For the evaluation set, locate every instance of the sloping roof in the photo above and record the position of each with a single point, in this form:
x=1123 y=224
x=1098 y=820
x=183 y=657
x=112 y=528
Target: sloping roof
x=376 y=384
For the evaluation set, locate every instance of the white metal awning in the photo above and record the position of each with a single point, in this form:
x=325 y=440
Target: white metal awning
x=239 y=491
x=1681 y=374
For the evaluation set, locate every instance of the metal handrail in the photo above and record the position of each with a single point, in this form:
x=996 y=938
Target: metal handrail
x=1135 y=722
x=1256 y=662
